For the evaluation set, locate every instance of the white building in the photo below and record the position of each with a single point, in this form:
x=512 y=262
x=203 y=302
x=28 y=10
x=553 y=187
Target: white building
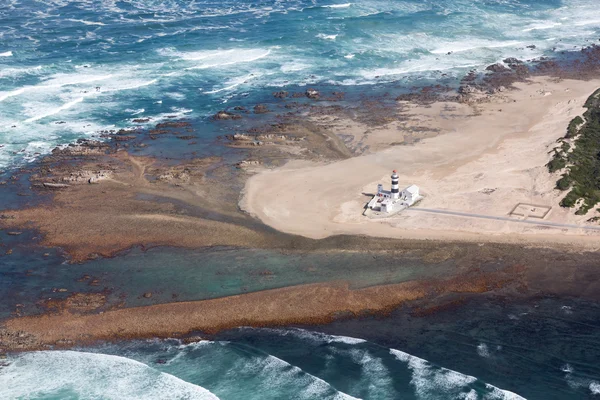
x=387 y=201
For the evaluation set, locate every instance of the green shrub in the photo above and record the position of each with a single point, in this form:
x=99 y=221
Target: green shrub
x=572 y=130
x=564 y=183
x=570 y=199
x=583 y=174
x=557 y=163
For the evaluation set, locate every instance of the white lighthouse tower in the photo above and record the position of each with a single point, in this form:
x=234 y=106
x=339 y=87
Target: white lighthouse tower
x=395 y=189
x=390 y=202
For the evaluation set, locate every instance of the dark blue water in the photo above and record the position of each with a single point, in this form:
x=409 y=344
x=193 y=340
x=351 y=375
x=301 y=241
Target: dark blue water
x=502 y=362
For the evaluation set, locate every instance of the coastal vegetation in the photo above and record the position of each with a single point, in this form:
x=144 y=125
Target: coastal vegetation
x=579 y=156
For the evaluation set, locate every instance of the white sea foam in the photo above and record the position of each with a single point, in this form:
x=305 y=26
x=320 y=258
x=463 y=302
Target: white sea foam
x=86 y=22
x=231 y=58
x=345 y=5
x=235 y=82
x=326 y=37
x=175 y=96
x=429 y=380
x=16 y=92
x=567 y=368
x=315 y=336
x=420 y=67
x=462 y=46
x=482 y=350
x=277 y=372
x=90 y=375
x=54 y=111
x=294 y=66
x=6 y=54
x=595 y=387
x=17 y=72
x=376 y=378
x=542 y=26
x=271 y=373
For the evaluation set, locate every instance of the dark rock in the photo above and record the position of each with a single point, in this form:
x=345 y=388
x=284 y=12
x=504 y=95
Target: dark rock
x=123 y=138
x=467 y=89
x=141 y=120
x=147 y=295
x=174 y=124
x=13 y=233
x=512 y=61
x=50 y=185
x=224 y=115
x=260 y=109
x=312 y=94
x=497 y=68
x=280 y=95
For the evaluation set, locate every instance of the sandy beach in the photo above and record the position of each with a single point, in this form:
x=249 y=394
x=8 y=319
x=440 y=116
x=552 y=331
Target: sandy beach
x=486 y=159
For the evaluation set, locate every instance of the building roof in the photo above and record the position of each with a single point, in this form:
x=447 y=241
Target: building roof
x=412 y=189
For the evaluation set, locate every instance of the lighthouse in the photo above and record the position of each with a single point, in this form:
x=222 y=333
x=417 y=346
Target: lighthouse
x=395 y=190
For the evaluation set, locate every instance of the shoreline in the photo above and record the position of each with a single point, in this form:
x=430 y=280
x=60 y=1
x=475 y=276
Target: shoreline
x=106 y=201
x=505 y=165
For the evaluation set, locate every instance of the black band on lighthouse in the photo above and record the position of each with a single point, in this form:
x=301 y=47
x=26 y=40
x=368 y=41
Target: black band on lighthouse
x=395 y=190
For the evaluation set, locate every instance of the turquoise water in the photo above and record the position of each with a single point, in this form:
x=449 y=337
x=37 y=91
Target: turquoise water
x=71 y=68
x=28 y=275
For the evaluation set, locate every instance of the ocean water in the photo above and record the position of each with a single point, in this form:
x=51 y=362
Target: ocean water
x=240 y=370
x=71 y=68
x=294 y=363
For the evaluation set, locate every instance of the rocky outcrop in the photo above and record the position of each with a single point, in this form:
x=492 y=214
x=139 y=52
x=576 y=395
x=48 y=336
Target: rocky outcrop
x=467 y=89
x=312 y=94
x=497 y=68
x=50 y=185
x=260 y=109
x=512 y=61
x=225 y=115
x=173 y=124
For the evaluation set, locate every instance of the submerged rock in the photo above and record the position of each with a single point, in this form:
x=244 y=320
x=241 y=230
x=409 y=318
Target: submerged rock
x=225 y=115
x=260 y=109
x=280 y=95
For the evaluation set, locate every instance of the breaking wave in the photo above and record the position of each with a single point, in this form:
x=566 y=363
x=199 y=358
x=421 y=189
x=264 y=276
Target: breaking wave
x=262 y=364
x=70 y=374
